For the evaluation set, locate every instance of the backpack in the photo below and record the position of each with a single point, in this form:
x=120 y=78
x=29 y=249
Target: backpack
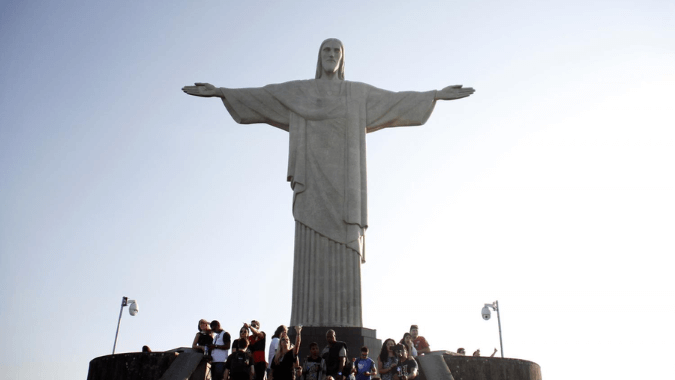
x=240 y=362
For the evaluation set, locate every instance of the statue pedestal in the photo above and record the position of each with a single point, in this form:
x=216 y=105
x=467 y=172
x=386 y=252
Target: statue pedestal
x=355 y=337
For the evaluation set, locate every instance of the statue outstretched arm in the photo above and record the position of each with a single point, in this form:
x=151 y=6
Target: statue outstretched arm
x=246 y=105
x=454 y=92
x=205 y=90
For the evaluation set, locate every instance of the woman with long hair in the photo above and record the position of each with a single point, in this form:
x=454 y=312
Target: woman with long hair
x=243 y=334
x=407 y=341
x=387 y=361
x=286 y=359
x=204 y=337
x=274 y=344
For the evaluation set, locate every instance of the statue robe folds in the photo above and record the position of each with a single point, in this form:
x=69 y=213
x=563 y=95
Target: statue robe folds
x=327 y=172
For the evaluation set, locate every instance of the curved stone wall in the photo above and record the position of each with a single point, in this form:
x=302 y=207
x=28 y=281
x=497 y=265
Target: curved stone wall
x=485 y=368
x=131 y=366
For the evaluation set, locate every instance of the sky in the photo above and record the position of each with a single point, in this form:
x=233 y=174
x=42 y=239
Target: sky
x=550 y=189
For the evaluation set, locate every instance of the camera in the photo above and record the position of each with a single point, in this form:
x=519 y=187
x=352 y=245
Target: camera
x=486 y=313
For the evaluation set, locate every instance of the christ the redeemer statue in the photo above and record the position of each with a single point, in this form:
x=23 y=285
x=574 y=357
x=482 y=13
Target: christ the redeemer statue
x=327 y=119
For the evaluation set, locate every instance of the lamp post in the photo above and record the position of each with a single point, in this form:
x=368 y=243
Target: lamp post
x=486 y=316
x=133 y=310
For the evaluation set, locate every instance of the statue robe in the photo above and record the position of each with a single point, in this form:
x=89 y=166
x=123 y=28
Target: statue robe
x=327 y=172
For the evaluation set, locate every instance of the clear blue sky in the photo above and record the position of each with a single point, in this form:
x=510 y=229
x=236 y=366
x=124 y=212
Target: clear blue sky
x=550 y=189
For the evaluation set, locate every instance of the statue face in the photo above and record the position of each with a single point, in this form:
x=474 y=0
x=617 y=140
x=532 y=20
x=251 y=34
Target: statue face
x=331 y=55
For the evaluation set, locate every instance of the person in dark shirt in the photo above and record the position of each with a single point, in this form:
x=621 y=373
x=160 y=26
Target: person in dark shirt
x=312 y=368
x=286 y=359
x=204 y=337
x=407 y=366
x=274 y=344
x=243 y=335
x=256 y=344
x=335 y=355
x=239 y=365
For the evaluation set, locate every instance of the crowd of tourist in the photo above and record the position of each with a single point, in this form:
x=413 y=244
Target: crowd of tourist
x=247 y=360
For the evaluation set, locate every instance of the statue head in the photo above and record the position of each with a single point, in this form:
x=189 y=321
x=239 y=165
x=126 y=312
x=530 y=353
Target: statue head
x=331 y=43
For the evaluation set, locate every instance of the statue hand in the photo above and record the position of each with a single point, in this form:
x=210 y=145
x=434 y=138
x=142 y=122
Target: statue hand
x=454 y=92
x=206 y=90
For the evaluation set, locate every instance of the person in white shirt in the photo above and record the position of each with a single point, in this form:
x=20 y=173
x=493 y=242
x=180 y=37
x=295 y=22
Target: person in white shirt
x=219 y=350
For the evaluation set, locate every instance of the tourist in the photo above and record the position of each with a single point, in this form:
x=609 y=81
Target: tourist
x=312 y=367
x=243 y=335
x=335 y=355
x=219 y=350
x=386 y=362
x=364 y=367
x=420 y=342
x=274 y=344
x=204 y=337
x=407 y=366
x=239 y=365
x=407 y=340
x=257 y=347
x=286 y=359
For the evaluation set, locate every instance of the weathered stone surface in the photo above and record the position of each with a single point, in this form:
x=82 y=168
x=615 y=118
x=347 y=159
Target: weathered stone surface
x=177 y=364
x=327 y=119
x=485 y=368
x=131 y=366
x=434 y=367
x=190 y=364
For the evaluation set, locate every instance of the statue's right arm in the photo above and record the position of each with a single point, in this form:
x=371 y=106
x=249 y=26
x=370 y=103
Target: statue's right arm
x=205 y=90
x=246 y=105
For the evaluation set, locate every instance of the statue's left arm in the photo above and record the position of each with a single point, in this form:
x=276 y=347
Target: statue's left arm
x=409 y=108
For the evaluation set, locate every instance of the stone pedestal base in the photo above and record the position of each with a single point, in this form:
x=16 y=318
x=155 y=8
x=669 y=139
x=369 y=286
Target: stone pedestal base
x=355 y=337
